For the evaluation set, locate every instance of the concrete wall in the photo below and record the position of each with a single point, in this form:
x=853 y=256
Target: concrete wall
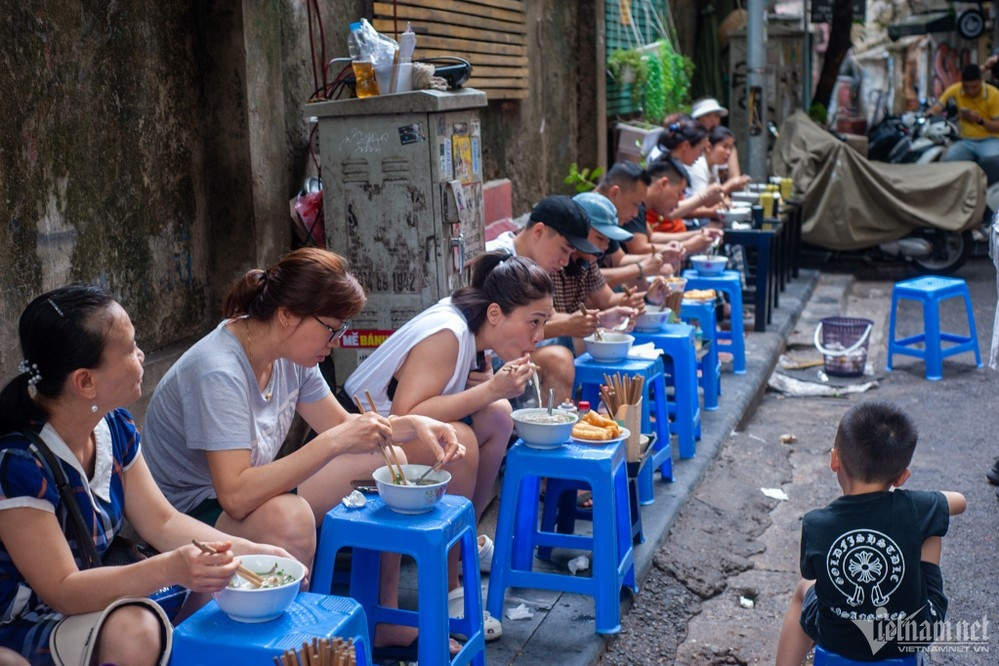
x=153 y=147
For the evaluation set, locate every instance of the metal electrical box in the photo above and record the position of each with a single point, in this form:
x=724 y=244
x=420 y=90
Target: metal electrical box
x=402 y=196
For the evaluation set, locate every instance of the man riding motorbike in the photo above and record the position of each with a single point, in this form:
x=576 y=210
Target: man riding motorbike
x=978 y=108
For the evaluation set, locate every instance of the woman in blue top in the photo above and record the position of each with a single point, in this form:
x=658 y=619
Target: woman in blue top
x=81 y=365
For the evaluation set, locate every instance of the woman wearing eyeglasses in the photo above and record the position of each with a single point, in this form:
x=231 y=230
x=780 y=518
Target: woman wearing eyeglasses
x=220 y=415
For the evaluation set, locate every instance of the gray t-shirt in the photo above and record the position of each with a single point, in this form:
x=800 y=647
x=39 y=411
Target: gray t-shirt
x=209 y=401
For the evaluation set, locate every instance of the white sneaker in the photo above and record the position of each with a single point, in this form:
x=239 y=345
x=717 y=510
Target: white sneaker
x=485 y=554
x=491 y=627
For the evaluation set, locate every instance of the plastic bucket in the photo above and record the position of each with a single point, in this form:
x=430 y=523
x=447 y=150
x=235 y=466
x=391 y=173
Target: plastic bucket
x=843 y=343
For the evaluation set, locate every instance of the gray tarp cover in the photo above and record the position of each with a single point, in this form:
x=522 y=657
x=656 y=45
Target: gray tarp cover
x=852 y=203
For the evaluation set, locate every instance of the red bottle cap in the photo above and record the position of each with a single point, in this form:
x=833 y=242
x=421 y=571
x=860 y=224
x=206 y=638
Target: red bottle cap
x=584 y=406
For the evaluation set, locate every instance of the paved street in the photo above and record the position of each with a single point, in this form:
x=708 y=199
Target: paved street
x=722 y=579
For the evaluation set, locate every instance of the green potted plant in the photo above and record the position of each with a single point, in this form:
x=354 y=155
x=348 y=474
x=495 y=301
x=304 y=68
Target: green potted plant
x=628 y=67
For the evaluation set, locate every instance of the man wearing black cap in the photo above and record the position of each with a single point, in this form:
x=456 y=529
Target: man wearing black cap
x=978 y=108
x=559 y=231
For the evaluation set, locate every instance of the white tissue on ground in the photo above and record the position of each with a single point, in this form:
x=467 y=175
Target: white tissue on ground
x=355 y=500
x=581 y=563
x=775 y=493
x=519 y=613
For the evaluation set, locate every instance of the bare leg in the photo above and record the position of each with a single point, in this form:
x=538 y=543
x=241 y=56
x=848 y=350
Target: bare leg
x=130 y=635
x=492 y=426
x=794 y=643
x=10 y=658
x=557 y=370
x=324 y=489
x=285 y=520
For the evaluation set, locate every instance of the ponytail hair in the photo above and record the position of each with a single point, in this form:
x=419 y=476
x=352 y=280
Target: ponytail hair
x=60 y=331
x=500 y=278
x=676 y=133
x=307 y=281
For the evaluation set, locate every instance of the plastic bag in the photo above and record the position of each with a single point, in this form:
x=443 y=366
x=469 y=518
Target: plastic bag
x=307 y=212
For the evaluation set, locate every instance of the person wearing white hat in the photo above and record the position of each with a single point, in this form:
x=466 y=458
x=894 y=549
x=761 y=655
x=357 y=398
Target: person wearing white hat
x=709 y=113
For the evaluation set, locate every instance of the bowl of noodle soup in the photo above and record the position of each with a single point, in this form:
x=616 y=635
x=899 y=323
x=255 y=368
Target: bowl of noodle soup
x=243 y=602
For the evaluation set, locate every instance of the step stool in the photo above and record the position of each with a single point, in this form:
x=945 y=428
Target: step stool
x=209 y=637
x=676 y=342
x=708 y=364
x=825 y=658
x=729 y=282
x=589 y=377
x=427 y=538
x=931 y=291
x=603 y=468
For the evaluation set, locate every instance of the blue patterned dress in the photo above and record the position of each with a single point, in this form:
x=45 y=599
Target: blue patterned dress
x=26 y=620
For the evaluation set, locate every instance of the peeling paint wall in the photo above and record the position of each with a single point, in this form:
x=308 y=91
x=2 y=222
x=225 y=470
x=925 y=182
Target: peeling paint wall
x=152 y=147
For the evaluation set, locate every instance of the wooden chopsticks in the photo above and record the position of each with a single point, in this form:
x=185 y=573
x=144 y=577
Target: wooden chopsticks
x=320 y=652
x=617 y=391
x=387 y=451
x=251 y=576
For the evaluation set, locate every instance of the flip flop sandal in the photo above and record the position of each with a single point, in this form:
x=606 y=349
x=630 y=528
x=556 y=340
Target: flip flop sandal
x=491 y=627
x=581 y=500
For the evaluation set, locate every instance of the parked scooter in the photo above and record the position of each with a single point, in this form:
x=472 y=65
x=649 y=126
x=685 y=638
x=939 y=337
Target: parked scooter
x=856 y=205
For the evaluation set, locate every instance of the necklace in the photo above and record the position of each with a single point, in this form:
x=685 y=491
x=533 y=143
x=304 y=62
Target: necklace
x=249 y=355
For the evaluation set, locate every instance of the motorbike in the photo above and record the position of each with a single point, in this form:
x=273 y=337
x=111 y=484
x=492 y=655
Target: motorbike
x=912 y=210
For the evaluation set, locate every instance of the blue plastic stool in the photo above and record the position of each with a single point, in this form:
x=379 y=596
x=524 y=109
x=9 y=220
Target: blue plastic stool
x=710 y=367
x=427 y=538
x=825 y=658
x=676 y=342
x=517 y=534
x=209 y=637
x=931 y=290
x=589 y=377
x=729 y=282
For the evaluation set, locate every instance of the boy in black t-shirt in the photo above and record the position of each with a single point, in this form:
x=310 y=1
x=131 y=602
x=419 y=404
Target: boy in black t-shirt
x=870 y=560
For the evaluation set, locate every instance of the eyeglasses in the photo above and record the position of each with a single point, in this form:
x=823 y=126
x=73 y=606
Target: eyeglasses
x=335 y=333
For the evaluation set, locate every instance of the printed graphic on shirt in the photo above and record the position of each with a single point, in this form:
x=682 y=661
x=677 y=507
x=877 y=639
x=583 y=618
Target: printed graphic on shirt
x=866 y=566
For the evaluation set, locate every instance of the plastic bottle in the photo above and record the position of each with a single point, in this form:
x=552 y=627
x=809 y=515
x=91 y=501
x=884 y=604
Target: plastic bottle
x=584 y=408
x=567 y=406
x=364 y=69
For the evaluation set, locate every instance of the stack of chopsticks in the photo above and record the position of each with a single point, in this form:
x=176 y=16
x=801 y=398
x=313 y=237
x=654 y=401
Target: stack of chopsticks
x=387 y=451
x=617 y=390
x=321 y=652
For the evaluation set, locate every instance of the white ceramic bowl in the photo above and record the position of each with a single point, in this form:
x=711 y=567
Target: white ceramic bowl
x=543 y=435
x=745 y=197
x=411 y=499
x=735 y=214
x=653 y=319
x=249 y=604
x=706 y=265
x=610 y=348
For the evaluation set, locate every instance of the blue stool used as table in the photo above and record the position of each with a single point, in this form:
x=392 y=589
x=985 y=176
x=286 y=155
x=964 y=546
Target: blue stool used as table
x=676 y=342
x=729 y=282
x=603 y=468
x=209 y=637
x=931 y=291
x=709 y=365
x=590 y=375
x=825 y=658
x=427 y=538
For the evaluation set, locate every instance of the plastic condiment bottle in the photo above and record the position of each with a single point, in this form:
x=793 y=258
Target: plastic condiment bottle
x=584 y=407
x=567 y=406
